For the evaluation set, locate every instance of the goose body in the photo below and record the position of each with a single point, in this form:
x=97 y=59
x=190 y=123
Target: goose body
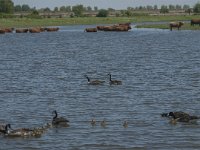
x=94 y=82
x=125 y=124
x=59 y=121
x=179 y=116
x=114 y=82
x=103 y=123
x=93 y=122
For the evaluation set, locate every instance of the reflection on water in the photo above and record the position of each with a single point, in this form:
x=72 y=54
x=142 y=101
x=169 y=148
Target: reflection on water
x=43 y=72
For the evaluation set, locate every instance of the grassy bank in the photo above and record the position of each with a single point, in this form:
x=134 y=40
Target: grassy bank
x=186 y=26
x=27 y=22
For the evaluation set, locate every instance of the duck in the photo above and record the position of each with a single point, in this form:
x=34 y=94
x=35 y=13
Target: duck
x=93 y=122
x=125 y=124
x=114 y=82
x=94 y=82
x=103 y=123
x=59 y=121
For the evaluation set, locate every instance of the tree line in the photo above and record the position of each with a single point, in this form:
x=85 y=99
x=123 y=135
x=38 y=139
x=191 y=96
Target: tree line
x=7 y=6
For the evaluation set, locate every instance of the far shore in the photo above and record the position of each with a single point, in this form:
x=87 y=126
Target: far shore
x=28 y=23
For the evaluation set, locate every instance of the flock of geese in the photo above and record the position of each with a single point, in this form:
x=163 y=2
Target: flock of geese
x=6 y=129
x=99 y=82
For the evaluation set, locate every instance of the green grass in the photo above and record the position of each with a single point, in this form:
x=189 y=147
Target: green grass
x=27 y=22
x=186 y=26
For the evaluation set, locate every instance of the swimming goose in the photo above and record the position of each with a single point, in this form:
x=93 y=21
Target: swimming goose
x=59 y=121
x=94 y=82
x=125 y=124
x=115 y=82
x=93 y=122
x=19 y=132
x=103 y=123
x=180 y=114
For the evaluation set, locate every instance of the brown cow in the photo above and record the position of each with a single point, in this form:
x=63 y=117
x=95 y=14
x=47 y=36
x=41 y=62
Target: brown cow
x=9 y=30
x=175 y=25
x=2 y=31
x=34 y=30
x=51 y=29
x=195 y=21
x=21 y=30
x=91 y=30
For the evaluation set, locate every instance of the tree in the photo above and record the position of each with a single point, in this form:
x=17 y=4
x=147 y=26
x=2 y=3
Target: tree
x=63 y=8
x=68 y=8
x=178 y=7
x=18 y=8
x=196 y=8
x=25 y=7
x=149 y=7
x=128 y=13
x=6 y=6
x=47 y=9
x=55 y=9
x=89 y=8
x=102 y=13
x=186 y=7
x=78 y=10
x=171 y=7
x=155 y=7
x=164 y=9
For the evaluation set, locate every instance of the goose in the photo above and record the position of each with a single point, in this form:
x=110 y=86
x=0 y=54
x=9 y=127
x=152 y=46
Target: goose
x=115 y=82
x=93 y=122
x=103 y=123
x=94 y=82
x=181 y=114
x=125 y=124
x=19 y=132
x=59 y=121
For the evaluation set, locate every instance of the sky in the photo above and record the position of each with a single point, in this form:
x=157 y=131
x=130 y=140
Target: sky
x=116 y=4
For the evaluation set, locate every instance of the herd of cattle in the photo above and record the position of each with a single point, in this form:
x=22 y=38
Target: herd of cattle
x=116 y=27
x=26 y=30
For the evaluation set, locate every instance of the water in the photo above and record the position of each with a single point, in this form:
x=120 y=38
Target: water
x=159 y=70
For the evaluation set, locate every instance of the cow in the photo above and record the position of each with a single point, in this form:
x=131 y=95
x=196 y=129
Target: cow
x=195 y=21
x=91 y=30
x=34 y=30
x=2 y=31
x=9 y=30
x=51 y=29
x=21 y=30
x=175 y=25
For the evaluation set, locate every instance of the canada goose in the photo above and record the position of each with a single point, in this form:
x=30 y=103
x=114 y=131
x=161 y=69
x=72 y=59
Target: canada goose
x=93 y=122
x=94 y=82
x=59 y=121
x=182 y=116
x=115 y=82
x=125 y=124
x=103 y=123
x=19 y=132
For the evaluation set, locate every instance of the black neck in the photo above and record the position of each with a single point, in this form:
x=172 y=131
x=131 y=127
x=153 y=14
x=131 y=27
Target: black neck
x=55 y=115
x=88 y=78
x=110 y=77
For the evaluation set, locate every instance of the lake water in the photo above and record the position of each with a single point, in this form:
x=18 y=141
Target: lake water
x=159 y=70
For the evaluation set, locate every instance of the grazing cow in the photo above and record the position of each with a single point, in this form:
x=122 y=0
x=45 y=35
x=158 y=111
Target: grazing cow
x=175 y=25
x=195 y=21
x=91 y=30
x=21 y=30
